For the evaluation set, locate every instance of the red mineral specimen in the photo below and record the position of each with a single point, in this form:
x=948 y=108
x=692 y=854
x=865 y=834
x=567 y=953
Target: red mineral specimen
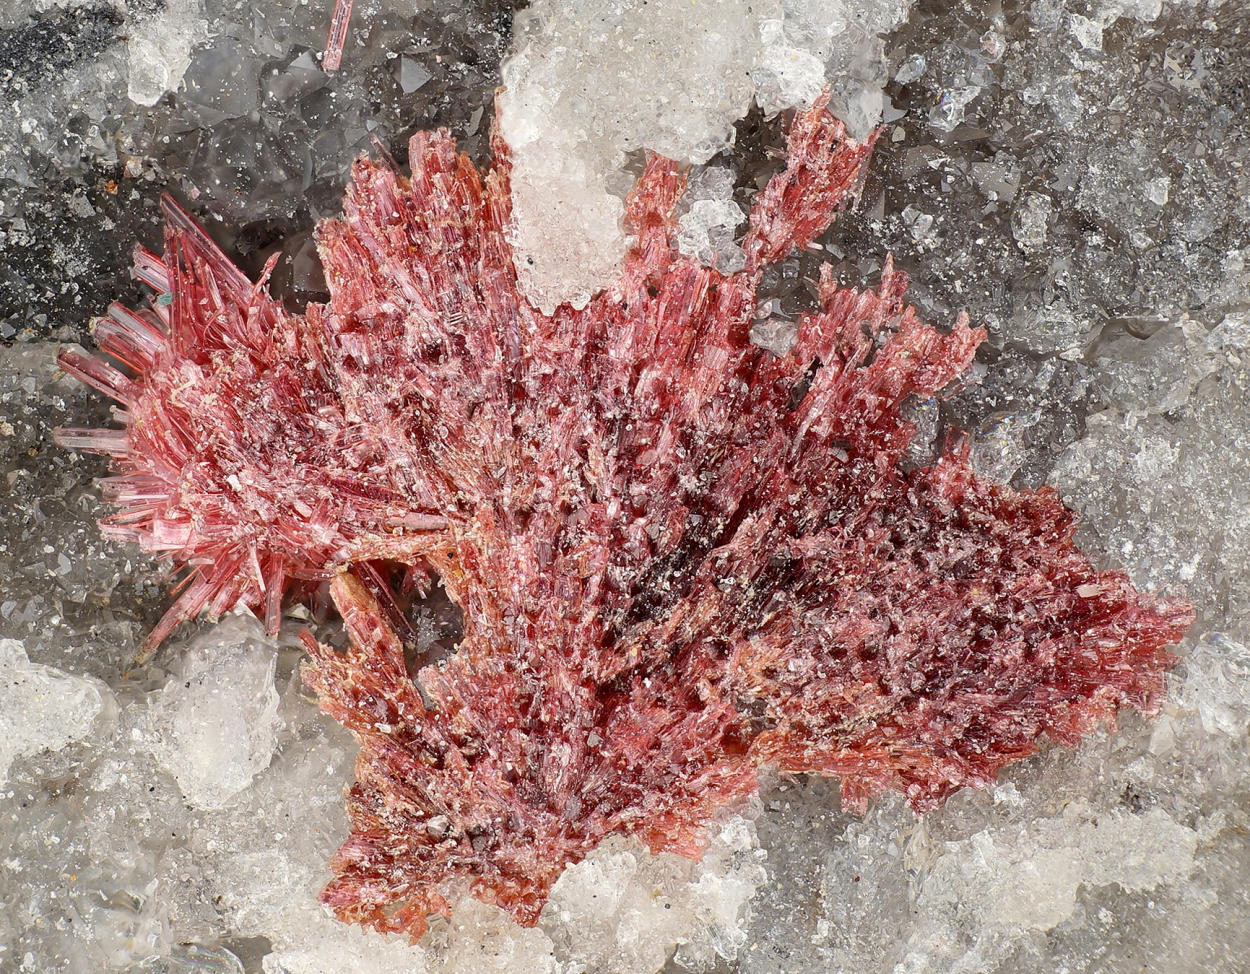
x=337 y=38
x=679 y=556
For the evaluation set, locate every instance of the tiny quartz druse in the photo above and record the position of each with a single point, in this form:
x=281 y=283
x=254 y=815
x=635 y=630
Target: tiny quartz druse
x=680 y=556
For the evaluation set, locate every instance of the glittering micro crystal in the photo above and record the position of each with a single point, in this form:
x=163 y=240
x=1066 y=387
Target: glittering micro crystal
x=679 y=556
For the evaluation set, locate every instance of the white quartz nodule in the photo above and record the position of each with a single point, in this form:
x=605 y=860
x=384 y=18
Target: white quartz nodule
x=215 y=724
x=43 y=708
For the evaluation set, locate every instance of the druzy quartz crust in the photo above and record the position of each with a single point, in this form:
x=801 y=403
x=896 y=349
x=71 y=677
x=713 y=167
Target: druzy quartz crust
x=680 y=557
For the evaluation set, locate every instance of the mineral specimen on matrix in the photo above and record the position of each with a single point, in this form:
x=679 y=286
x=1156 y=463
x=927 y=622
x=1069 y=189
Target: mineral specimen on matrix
x=679 y=556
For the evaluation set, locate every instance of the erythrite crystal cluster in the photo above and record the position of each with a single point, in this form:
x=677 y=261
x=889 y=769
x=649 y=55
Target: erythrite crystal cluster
x=679 y=556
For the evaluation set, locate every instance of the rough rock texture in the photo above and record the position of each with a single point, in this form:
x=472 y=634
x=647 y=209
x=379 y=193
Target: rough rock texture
x=1019 y=205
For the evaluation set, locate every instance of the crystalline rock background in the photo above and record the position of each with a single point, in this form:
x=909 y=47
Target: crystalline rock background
x=1074 y=174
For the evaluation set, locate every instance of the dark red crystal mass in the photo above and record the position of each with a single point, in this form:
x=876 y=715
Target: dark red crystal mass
x=679 y=556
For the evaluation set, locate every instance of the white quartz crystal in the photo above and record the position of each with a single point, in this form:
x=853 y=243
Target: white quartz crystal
x=1161 y=475
x=584 y=88
x=215 y=724
x=1030 y=220
x=159 y=49
x=624 y=911
x=1029 y=877
x=708 y=226
x=332 y=949
x=1217 y=686
x=1005 y=883
x=42 y=708
x=482 y=938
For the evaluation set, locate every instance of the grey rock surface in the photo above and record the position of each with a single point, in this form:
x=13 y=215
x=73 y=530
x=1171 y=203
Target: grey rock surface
x=1073 y=173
